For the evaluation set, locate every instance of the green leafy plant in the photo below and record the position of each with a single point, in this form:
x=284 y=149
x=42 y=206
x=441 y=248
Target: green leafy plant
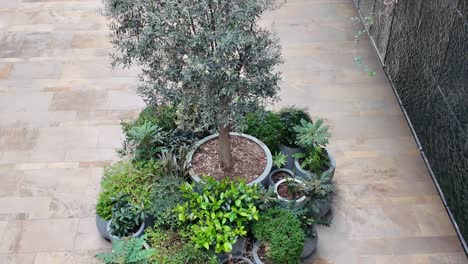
x=126 y=217
x=146 y=141
x=218 y=212
x=165 y=197
x=134 y=179
x=281 y=233
x=174 y=166
x=312 y=134
x=127 y=251
x=313 y=138
x=367 y=22
x=319 y=189
x=291 y=117
x=175 y=247
x=211 y=59
x=279 y=160
x=267 y=127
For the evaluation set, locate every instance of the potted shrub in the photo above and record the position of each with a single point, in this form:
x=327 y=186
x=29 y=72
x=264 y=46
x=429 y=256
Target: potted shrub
x=214 y=72
x=279 y=173
x=280 y=239
x=266 y=126
x=218 y=213
x=290 y=192
x=133 y=179
x=130 y=250
x=291 y=116
x=315 y=160
x=127 y=220
x=319 y=191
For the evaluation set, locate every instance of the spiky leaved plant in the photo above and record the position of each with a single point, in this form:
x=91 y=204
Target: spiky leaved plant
x=209 y=57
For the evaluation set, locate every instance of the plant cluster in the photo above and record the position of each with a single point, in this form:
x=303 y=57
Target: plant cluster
x=313 y=137
x=280 y=232
x=154 y=132
x=125 y=177
x=291 y=117
x=176 y=248
x=275 y=128
x=266 y=126
x=218 y=212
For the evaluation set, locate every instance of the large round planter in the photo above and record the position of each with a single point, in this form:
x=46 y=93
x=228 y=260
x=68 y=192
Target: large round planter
x=289 y=152
x=101 y=225
x=310 y=245
x=324 y=207
x=139 y=233
x=285 y=202
x=270 y=180
x=262 y=179
x=304 y=174
x=226 y=260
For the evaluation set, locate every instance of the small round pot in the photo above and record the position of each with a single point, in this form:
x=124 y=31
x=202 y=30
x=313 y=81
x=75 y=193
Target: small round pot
x=270 y=180
x=285 y=202
x=324 y=206
x=226 y=260
x=289 y=152
x=310 y=245
x=303 y=174
x=262 y=179
x=255 y=256
x=101 y=225
x=138 y=233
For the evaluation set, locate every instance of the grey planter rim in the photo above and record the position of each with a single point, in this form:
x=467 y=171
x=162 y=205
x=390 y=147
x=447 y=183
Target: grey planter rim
x=300 y=200
x=224 y=261
x=298 y=166
x=260 y=179
x=298 y=149
x=273 y=172
x=136 y=234
x=255 y=255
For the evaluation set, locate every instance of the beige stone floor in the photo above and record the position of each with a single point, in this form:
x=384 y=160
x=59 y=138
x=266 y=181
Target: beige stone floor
x=60 y=107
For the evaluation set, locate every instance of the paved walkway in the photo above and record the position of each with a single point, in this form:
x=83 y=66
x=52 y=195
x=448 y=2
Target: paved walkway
x=60 y=108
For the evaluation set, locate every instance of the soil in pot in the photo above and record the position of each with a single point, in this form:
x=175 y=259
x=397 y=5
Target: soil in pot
x=248 y=157
x=280 y=175
x=262 y=254
x=290 y=190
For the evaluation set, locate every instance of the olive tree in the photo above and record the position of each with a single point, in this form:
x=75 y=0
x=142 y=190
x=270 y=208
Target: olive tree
x=208 y=57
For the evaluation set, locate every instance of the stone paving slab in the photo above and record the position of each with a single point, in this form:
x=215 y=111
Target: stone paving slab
x=61 y=104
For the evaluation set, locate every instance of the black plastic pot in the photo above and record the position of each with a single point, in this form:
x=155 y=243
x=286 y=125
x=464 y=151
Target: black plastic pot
x=270 y=180
x=139 y=233
x=101 y=225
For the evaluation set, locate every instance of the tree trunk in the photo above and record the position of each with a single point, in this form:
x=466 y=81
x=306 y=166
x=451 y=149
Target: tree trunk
x=224 y=151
